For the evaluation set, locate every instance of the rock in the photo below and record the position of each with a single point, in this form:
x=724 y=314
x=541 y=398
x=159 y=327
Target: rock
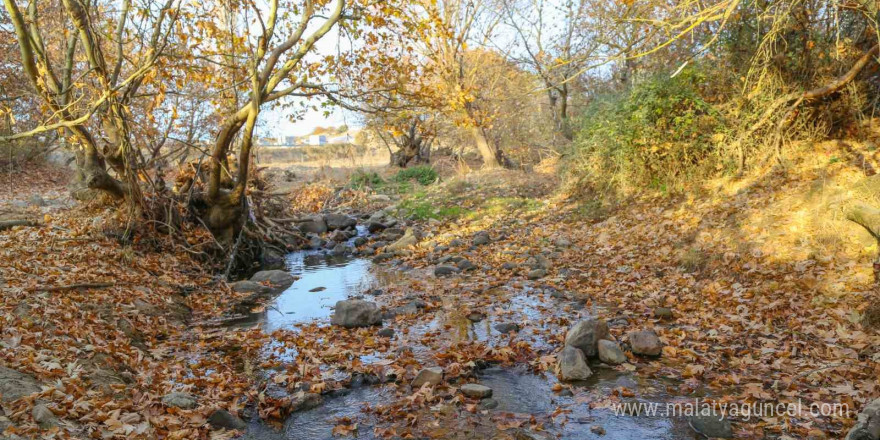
x=712 y=426
x=313 y=225
x=598 y=430
x=645 y=342
x=867 y=426
x=488 y=404
x=386 y=333
x=15 y=385
x=441 y=271
x=359 y=241
x=339 y=221
x=37 y=200
x=318 y=289
x=341 y=249
x=481 y=238
x=379 y=198
x=507 y=327
x=476 y=391
x=385 y=256
x=476 y=316
x=408 y=239
x=356 y=313
x=535 y=274
x=315 y=242
x=431 y=376
x=456 y=242
x=663 y=313
x=271 y=258
x=44 y=416
x=539 y=262
x=610 y=353
x=375 y=226
x=562 y=242
x=508 y=266
x=222 y=419
x=572 y=365
x=248 y=287
x=465 y=265
x=177 y=399
x=586 y=334
x=279 y=279
x=302 y=401
x=339 y=236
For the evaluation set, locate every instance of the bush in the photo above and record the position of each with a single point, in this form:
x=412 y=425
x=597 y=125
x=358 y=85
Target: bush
x=362 y=179
x=659 y=135
x=424 y=174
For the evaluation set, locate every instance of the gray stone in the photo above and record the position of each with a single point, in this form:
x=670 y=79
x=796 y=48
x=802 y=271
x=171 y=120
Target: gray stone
x=341 y=249
x=313 y=225
x=404 y=242
x=663 y=313
x=386 y=333
x=507 y=327
x=356 y=313
x=712 y=426
x=586 y=334
x=37 y=200
x=375 y=226
x=222 y=419
x=465 y=265
x=539 y=262
x=508 y=266
x=481 y=238
x=476 y=316
x=248 y=287
x=488 y=404
x=867 y=425
x=476 y=391
x=535 y=274
x=181 y=400
x=44 y=416
x=15 y=385
x=302 y=401
x=339 y=221
x=385 y=256
x=431 y=376
x=445 y=270
x=610 y=353
x=645 y=342
x=572 y=365
x=279 y=279
x=360 y=241
x=456 y=242
x=562 y=242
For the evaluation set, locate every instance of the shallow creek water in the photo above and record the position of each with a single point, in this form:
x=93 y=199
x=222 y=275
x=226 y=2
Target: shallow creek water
x=325 y=279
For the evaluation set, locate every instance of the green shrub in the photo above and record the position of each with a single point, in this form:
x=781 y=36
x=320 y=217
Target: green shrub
x=658 y=135
x=362 y=179
x=424 y=174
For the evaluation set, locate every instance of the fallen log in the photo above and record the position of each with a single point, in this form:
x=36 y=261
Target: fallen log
x=6 y=224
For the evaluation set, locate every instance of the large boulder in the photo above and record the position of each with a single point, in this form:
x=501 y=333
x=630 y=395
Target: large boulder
x=313 y=225
x=645 y=342
x=15 y=385
x=339 y=221
x=586 y=334
x=867 y=426
x=572 y=365
x=354 y=313
x=610 y=353
x=279 y=279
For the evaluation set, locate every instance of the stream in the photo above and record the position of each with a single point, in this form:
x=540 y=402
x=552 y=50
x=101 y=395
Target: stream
x=325 y=279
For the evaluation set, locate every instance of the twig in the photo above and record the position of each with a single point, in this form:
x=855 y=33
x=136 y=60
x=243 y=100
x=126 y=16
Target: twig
x=74 y=287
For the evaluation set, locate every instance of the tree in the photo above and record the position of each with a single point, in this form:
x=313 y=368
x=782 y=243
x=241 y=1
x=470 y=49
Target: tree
x=81 y=72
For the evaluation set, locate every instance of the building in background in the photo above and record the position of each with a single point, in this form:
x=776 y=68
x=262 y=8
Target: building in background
x=318 y=139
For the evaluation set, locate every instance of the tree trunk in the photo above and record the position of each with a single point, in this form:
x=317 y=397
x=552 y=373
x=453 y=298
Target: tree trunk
x=490 y=158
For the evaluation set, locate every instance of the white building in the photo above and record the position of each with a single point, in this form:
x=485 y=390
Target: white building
x=317 y=139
